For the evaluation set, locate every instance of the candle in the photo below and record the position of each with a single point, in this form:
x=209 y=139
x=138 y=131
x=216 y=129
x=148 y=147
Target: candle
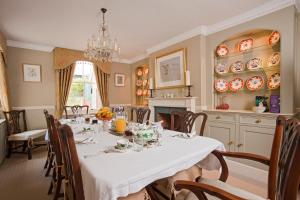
x=187 y=78
x=151 y=84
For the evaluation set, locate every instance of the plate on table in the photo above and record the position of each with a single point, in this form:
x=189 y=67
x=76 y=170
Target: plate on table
x=255 y=83
x=221 y=85
x=274 y=37
x=274 y=81
x=246 y=44
x=237 y=66
x=236 y=84
x=274 y=59
x=222 y=50
x=221 y=68
x=254 y=64
x=187 y=135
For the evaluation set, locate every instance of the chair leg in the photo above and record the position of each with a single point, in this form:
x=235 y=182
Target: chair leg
x=9 y=149
x=48 y=157
x=50 y=165
x=57 y=193
x=24 y=146
x=29 y=145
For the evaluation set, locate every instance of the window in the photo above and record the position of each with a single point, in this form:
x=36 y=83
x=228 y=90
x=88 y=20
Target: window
x=84 y=87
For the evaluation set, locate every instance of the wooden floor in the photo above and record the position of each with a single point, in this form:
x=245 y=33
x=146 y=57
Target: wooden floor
x=23 y=179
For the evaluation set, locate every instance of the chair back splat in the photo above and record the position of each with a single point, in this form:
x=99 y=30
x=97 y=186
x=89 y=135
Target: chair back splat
x=74 y=185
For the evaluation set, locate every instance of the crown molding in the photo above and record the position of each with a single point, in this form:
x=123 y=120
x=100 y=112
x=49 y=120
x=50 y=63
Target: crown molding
x=25 y=45
x=138 y=58
x=200 y=30
x=262 y=10
x=297 y=5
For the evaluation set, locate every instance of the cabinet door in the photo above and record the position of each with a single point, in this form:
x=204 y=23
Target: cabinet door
x=257 y=140
x=224 y=132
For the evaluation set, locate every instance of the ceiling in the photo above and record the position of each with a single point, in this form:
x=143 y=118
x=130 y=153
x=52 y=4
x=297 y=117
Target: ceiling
x=138 y=24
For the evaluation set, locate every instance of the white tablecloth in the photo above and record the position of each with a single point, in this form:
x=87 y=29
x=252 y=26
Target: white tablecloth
x=108 y=176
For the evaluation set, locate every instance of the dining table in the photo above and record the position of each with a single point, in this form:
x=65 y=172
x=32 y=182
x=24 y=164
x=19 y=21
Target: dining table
x=109 y=174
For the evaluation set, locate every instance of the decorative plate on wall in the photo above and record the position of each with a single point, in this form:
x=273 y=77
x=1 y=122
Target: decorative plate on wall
x=222 y=50
x=274 y=59
x=139 y=83
x=238 y=66
x=221 y=68
x=255 y=83
x=274 y=37
x=221 y=85
x=246 y=44
x=254 y=64
x=236 y=84
x=146 y=71
x=145 y=82
x=139 y=92
x=139 y=72
x=274 y=81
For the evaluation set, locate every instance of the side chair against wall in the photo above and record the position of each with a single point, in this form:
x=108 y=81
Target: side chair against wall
x=17 y=133
x=75 y=109
x=142 y=115
x=284 y=170
x=185 y=121
x=56 y=161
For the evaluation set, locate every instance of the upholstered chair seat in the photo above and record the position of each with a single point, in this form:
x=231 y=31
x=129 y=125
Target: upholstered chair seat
x=220 y=184
x=27 y=135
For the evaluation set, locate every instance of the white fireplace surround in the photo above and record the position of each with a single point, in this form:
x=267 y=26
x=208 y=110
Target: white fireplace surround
x=179 y=102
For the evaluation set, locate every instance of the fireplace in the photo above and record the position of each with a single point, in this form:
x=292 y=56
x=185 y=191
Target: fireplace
x=164 y=114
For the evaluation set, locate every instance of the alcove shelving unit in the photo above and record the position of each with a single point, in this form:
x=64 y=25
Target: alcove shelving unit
x=142 y=91
x=247 y=49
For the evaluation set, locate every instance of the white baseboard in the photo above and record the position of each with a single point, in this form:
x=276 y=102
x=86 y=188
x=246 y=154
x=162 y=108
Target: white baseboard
x=247 y=173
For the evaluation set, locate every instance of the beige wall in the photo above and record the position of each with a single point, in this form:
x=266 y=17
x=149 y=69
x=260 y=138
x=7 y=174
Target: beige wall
x=297 y=69
x=120 y=95
x=193 y=47
x=283 y=21
x=34 y=97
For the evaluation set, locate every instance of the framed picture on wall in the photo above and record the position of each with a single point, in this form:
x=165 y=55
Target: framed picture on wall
x=170 y=69
x=32 y=73
x=119 y=80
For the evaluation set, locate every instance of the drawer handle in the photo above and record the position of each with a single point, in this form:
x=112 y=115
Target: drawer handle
x=218 y=117
x=258 y=121
x=239 y=145
x=230 y=143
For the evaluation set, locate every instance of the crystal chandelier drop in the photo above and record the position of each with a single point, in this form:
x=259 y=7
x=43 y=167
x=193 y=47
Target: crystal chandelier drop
x=101 y=47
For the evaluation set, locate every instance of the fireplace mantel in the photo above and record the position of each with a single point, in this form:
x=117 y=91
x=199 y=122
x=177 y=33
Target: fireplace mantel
x=180 y=102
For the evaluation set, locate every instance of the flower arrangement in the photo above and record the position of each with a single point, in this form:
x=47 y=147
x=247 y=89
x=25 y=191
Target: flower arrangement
x=104 y=114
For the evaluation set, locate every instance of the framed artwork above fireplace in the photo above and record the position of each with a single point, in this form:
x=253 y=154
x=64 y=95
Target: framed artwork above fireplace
x=170 y=69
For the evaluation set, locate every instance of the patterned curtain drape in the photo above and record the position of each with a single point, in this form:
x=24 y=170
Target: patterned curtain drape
x=102 y=80
x=64 y=79
x=4 y=99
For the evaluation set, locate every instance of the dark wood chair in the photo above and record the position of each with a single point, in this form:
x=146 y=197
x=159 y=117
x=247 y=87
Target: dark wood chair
x=54 y=164
x=50 y=152
x=17 y=133
x=73 y=178
x=284 y=169
x=75 y=109
x=184 y=121
x=116 y=109
x=142 y=115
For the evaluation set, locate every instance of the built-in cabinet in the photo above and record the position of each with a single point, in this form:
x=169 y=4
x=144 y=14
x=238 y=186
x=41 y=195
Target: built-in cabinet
x=242 y=132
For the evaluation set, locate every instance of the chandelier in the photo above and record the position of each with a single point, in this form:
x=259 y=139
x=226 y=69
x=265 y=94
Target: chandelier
x=101 y=47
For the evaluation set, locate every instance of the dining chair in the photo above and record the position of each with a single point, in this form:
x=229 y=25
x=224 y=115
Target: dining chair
x=284 y=170
x=50 y=152
x=116 y=109
x=56 y=164
x=142 y=115
x=184 y=121
x=73 y=180
x=75 y=109
x=17 y=133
